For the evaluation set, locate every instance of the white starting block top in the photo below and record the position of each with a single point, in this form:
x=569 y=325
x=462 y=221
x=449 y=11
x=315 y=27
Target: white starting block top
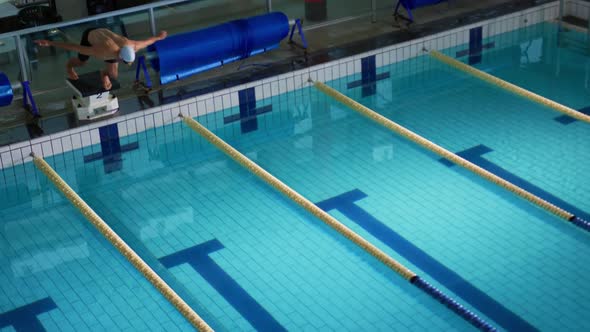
x=91 y=100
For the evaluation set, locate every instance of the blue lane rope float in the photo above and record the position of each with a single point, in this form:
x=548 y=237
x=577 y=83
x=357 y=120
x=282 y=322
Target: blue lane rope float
x=581 y=223
x=431 y=146
x=338 y=226
x=455 y=306
x=509 y=86
x=121 y=246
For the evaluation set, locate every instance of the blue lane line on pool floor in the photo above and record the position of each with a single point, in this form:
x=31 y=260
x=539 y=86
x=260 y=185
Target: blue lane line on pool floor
x=369 y=76
x=475 y=154
x=564 y=119
x=198 y=258
x=345 y=203
x=111 y=149
x=248 y=115
x=476 y=46
x=24 y=319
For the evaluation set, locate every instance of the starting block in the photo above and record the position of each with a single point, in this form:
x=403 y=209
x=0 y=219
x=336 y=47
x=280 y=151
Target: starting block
x=91 y=100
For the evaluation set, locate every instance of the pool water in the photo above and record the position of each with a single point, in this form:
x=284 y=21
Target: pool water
x=246 y=258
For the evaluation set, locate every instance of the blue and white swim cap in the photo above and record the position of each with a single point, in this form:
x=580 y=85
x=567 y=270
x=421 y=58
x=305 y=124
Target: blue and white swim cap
x=127 y=54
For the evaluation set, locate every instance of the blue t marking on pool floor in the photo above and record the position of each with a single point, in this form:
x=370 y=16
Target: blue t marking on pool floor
x=111 y=149
x=345 y=203
x=565 y=119
x=24 y=319
x=476 y=46
x=475 y=154
x=198 y=258
x=369 y=76
x=248 y=111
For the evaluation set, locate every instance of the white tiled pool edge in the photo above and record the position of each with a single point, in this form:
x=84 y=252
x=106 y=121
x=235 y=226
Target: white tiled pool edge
x=133 y=123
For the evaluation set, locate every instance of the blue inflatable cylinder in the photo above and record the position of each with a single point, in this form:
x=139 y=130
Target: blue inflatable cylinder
x=6 y=94
x=186 y=54
x=412 y=4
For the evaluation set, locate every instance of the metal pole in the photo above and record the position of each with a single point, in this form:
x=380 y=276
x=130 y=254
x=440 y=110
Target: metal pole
x=268 y=6
x=21 y=59
x=561 y=13
x=373 y=11
x=152 y=21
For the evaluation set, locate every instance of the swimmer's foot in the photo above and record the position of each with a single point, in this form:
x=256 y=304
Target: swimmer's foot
x=106 y=82
x=72 y=73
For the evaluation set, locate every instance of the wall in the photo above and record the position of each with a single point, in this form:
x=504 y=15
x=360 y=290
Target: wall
x=71 y=9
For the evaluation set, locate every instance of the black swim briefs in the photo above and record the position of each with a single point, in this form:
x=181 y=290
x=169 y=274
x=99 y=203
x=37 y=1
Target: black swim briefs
x=85 y=42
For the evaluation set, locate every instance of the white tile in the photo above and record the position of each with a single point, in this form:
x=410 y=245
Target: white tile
x=67 y=144
x=274 y=91
x=349 y=68
x=282 y=86
x=201 y=108
x=314 y=76
x=37 y=149
x=158 y=119
x=266 y=92
x=167 y=114
x=26 y=153
x=226 y=100
x=258 y=92
x=358 y=67
x=76 y=141
x=140 y=124
x=192 y=110
x=209 y=106
x=122 y=128
x=47 y=149
x=6 y=159
x=56 y=147
x=17 y=157
x=86 y=141
x=290 y=84
x=328 y=74
x=379 y=59
x=94 y=136
x=322 y=75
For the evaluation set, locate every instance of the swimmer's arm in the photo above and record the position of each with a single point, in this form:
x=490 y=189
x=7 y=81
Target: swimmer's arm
x=68 y=46
x=139 y=44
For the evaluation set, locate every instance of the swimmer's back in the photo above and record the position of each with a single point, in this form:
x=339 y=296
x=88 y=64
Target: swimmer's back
x=106 y=42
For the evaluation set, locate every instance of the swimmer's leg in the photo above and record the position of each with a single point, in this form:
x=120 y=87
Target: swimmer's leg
x=73 y=63
x=111 y=71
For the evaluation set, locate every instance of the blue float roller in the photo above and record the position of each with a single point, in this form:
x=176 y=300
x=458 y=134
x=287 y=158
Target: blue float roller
x=413 y=4
x=6 y=93
x=186 y=54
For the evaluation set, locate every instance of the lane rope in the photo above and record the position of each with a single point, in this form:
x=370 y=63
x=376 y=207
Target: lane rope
x=406 y=133
x=121 y=246
x=509 y=86
x=332 y=222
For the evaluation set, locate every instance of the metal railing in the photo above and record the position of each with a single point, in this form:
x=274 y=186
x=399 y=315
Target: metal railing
x=150 y=9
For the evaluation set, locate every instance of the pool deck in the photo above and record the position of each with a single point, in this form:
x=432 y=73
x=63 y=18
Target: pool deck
x=326 y=43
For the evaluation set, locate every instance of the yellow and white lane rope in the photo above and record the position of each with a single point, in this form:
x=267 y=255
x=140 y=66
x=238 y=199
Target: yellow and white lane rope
x=383 y=121
x=509 y=86
x=406 y=273
x=123 y=247
x=298 y=198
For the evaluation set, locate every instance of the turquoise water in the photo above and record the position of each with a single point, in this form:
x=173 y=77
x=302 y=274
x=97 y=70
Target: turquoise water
x=63 y=271
x=303 y=275
x=459 y=112
x=246 y=258
x=528 y=260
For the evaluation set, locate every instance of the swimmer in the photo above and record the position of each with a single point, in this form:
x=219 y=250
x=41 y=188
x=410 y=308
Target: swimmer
x=105 y=45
